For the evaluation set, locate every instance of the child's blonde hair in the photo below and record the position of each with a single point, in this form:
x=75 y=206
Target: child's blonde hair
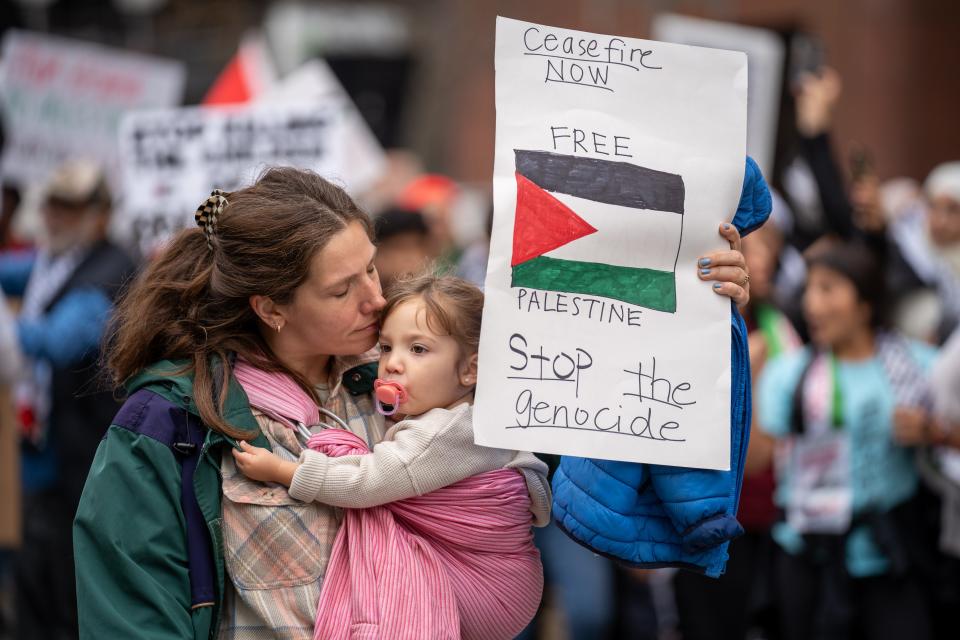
x=454 y=306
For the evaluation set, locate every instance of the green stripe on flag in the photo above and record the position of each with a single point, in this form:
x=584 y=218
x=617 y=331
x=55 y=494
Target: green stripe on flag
x=643 y=287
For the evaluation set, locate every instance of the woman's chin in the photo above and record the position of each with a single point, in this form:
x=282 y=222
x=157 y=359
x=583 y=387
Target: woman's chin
x=371 y=343
x=362 y=344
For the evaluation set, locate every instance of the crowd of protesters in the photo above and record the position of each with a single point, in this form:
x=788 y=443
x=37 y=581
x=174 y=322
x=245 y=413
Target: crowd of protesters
x=851 y=497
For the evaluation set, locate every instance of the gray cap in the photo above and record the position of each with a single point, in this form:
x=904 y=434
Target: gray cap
x=78 y=183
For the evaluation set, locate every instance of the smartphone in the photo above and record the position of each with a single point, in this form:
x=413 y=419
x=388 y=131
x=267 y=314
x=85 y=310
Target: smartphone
x=861 y=163
x=806 y=55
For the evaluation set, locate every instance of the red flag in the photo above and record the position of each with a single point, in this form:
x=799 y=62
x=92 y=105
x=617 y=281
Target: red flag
x=248 y=74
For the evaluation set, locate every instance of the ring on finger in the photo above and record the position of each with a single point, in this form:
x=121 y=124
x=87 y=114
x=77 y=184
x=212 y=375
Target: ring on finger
x=745 y=281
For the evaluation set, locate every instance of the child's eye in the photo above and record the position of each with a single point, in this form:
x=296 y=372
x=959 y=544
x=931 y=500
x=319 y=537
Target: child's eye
x=384 y=348
x=418 y=348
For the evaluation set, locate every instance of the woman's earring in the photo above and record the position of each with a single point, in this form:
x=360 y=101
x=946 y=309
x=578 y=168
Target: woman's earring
x=278 y=327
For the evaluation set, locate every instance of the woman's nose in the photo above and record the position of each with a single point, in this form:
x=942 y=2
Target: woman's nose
x=374 y=300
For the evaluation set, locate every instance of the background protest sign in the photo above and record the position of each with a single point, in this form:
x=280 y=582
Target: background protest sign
x=173 y=158
x=765 y=53
x=315 y=83
x=616 y=161
x=64 y=99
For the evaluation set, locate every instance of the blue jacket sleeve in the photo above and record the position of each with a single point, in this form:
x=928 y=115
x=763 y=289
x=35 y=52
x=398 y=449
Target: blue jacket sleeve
x=15 y=268
x=71 y=330
x=701 y=503
x=756 y=203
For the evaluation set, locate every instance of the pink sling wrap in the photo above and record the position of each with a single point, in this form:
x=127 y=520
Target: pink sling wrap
x=458 y=562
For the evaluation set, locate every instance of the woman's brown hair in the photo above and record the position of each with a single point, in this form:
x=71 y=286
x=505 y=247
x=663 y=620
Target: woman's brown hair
x=192 y=301
x=454 y=306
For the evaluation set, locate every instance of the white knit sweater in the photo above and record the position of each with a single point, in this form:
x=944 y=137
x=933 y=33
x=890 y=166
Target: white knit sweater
x=417 y=455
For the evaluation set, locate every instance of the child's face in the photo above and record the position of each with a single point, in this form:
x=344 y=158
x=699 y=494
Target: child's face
x=428 y=365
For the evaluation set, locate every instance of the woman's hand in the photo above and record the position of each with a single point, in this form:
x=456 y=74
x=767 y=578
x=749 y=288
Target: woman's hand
x=816 y=96
x=727 y=269
x=259 y=464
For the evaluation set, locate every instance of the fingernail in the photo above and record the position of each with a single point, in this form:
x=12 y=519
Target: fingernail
x=726 y=226
x=704 y=271
x=716 y=285
x=704 y=262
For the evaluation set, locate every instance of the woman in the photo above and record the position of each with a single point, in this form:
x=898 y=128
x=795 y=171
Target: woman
x=282 y=275
x=843 y=570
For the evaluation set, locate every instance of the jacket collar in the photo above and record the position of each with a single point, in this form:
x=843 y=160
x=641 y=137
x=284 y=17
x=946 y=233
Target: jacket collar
x=356 y=373
x=175 y=378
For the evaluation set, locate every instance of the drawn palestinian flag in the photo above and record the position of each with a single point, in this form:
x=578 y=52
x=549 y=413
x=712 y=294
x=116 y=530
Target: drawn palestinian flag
x=581 y=222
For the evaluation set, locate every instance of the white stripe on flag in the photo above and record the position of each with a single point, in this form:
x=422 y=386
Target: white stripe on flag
x=621 y=231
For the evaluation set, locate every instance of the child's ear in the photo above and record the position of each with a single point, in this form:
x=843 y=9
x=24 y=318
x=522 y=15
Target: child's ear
x=468 y=371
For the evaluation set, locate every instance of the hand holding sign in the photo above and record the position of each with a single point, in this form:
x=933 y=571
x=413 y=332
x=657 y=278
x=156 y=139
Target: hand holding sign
x=727 y=269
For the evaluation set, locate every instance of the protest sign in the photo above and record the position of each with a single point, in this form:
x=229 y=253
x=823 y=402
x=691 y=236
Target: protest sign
x=315 y=83
x=64 y=99
x=173 y=158
x=616 y=161
x=765 y=52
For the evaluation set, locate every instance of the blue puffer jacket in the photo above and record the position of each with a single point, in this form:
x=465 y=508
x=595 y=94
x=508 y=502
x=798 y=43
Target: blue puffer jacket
x=650 y=515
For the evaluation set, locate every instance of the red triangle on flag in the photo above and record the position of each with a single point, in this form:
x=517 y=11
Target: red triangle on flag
x=542 y=223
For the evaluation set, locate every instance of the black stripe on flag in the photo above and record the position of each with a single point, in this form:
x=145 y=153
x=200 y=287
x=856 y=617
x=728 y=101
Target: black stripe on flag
x=607 y=181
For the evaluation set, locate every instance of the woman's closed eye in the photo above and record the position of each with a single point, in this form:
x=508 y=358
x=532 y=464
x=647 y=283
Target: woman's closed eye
x=371 y=271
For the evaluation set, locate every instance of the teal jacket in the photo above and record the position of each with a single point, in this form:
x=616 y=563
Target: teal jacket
x=134 y=577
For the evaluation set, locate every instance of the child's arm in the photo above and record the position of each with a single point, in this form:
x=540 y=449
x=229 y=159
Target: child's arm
x=419 y=459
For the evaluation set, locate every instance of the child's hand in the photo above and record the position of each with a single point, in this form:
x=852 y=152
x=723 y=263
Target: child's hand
x=259 y=464
x=911 y=426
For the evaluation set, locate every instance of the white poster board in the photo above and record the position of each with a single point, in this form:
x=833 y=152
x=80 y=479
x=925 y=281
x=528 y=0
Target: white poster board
x=64 y=99
x=315 y=83
x=765 y=53
x=173 y=158
x=616 y=161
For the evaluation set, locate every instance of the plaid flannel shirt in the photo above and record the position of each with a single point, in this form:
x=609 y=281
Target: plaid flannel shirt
x=276 y=548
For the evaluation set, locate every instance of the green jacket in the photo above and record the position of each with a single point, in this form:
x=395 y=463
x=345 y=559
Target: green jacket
x=129 y=535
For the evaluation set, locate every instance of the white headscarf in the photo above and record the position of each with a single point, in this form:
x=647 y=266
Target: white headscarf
x=944 y=180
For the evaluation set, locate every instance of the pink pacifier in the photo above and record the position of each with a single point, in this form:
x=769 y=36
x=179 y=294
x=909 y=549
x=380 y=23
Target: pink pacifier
x=389 y=394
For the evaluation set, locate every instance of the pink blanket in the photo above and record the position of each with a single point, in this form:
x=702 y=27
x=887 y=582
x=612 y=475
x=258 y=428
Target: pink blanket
x=455 y=563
